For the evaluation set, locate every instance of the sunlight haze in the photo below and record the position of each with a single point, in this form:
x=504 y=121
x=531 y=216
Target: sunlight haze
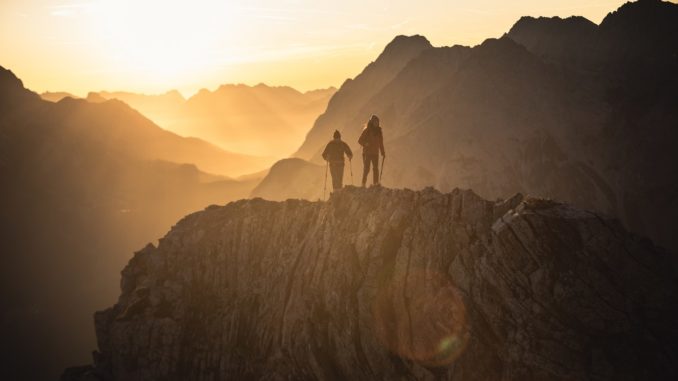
x=154 y=46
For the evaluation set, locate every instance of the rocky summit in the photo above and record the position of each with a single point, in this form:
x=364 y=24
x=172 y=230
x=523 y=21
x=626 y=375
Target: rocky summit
x=393 y=284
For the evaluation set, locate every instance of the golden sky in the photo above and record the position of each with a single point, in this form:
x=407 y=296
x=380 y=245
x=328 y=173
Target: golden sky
x=153 y=46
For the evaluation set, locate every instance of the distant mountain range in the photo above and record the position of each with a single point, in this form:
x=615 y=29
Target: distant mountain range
x=83 y=186
x=56 y=96
x=133 y=132
x=559 y=108
x=260 y=120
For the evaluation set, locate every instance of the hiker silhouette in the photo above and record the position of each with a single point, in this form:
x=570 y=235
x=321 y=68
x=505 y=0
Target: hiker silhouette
x=372 y=141
x=334 y=155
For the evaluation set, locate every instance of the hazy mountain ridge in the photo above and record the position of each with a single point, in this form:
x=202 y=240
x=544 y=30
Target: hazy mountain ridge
x=392 y=284
x=56 y=96
x=589 y=122
x=265 y=120
x=296 y=177
x=132 y=132
x=83 y=185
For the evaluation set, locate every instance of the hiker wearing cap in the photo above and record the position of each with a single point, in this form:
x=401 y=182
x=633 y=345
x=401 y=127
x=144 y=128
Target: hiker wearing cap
x=372 y=141
x=334 y=155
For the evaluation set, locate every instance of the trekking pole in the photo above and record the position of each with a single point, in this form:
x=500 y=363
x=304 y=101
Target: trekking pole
x=350 y=162
x=383 y=161
x=325 y=186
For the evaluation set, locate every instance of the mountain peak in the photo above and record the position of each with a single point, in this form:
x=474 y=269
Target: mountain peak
x=551 y=25
x=9 y=80
x=644 y=16
x=95 y=97
x=12 y=88
x=553 y=37
x=402 y=44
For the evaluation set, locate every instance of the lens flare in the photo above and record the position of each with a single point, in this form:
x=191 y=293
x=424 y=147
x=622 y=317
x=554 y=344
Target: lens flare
x=421 y=316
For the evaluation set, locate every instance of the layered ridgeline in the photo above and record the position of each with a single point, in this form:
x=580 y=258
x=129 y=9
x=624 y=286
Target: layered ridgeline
x=133 y=131
x=262 y=120
x=559 y=108
x=83 y=185
x=392 y=284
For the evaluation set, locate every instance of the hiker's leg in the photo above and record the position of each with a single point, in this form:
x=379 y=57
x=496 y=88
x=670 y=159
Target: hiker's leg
x=375 y=168
x=340 y=176
x=366 y=168
x=333 y=174
x=337 y=170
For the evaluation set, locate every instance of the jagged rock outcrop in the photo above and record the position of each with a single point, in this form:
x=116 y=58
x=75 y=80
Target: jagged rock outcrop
x=393 y=284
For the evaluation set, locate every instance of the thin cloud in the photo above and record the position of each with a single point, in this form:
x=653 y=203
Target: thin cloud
x=290 y=52
x=476 y=11
x=69 y=10
x=372 y=27
x=276 y=17
x=293 y=10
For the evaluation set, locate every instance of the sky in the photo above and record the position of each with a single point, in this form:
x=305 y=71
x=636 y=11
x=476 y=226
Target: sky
x=153 y=46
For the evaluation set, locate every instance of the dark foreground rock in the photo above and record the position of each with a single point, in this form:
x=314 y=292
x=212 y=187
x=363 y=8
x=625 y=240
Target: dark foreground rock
x=393 y=284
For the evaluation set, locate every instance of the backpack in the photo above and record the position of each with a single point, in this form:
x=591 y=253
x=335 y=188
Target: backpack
x=367 y=137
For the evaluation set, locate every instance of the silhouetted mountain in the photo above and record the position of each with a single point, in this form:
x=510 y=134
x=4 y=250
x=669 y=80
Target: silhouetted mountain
x=591 y=123
x=149 y=103
x=347 y=104
x=137 y=135
x=82 y=185
x=293 y=178
x=160 y=108
x=12 y=93
x=56 y=96
x=95 y=98
x=639 y=35
x=381 y=284
x=268 y=121
x=554 y=38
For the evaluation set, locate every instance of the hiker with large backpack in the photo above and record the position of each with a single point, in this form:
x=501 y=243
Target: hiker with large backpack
x=334 y=155
x=372 y=141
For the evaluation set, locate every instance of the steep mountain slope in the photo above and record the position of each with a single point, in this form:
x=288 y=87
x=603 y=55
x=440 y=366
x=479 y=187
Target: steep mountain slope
x=393 y=284
x=294 y=178
x=133 y=133
x=159 y=108
x=347 y=104
x=580 y=113
x=82 y=185
x=263 y=120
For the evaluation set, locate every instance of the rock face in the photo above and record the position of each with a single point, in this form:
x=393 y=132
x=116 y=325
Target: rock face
x=393 y=284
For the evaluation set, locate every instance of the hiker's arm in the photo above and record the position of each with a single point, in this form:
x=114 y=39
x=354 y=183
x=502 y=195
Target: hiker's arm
x=325 y=152
x=381 y=145
x=347 y=149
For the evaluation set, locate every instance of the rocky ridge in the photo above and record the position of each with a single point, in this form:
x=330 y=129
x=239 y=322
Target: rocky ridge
x=393 y=284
